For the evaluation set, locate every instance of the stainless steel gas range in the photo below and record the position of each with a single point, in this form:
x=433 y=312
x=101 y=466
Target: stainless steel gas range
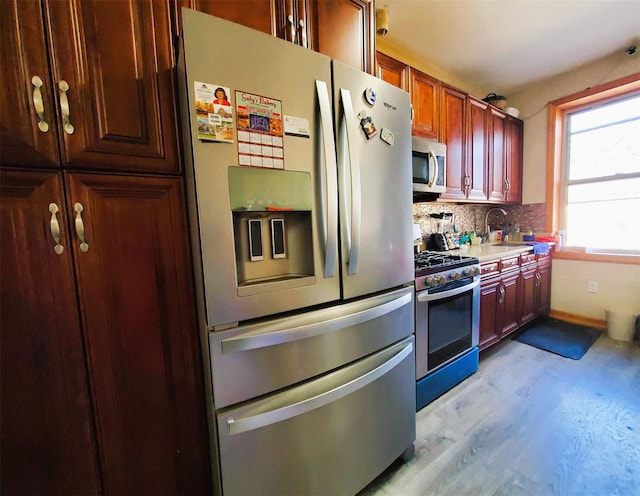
x=447 y=322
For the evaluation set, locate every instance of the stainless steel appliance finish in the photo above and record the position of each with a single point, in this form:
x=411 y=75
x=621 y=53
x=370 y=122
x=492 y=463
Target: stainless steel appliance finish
x=257 y=358
x=326 y=436
x=447 y=309
x=429 y=165
x=305 y=273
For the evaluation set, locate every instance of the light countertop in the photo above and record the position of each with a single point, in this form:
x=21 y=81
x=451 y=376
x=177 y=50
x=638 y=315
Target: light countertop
x=490 y=252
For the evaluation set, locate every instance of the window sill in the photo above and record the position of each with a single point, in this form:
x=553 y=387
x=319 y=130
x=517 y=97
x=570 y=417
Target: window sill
x=576 y=253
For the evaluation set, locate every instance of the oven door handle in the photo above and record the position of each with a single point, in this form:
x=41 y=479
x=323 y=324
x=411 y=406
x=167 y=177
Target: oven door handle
x=424 y=296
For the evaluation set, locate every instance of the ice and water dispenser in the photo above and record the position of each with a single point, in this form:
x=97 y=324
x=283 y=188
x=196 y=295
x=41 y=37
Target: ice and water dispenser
x=272 y=225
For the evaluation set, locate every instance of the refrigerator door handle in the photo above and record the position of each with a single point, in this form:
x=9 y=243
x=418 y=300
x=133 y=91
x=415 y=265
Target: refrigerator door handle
x=237 y=426
x=331 y=180
x=354 y=168
x=244 y=342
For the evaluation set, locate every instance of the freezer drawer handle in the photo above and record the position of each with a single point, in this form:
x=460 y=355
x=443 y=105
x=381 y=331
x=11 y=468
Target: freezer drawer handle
x=251 y=342
x=354 y=169
x=237 y=426
x=331 y=179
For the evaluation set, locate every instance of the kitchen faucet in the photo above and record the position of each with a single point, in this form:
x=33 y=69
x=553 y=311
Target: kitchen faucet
x=486 y=218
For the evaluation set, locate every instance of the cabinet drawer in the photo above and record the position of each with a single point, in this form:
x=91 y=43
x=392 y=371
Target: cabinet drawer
x=528 y=258
x=544 y=258
x=489 y=268
x=510 y=263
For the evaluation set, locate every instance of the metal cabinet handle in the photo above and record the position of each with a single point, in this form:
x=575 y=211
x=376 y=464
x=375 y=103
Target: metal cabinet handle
x=292 y=28
x=502 y=294
x=84 y=247
x=38 y=104
x=64 y=107
x=303 y=33
x=236 y=426
x=55 y=228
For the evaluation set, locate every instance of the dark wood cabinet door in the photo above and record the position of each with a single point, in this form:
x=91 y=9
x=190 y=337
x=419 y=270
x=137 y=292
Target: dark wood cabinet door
x=513 y=166
x=509 y=302
x=345 y=31
x=529 y=291
x=425 y=98
x=115 y=60
x=544 y=286
x=453 y=118
x=28 y=125
x=497 y=156
x=392 y=71
x=489 y=293
x=47 y=431
x=477 y=149
x=256 y=14
x=136 y=295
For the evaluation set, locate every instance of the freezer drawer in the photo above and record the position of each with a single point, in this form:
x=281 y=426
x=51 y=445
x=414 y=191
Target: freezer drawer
x=332 y=435
x=257 y=359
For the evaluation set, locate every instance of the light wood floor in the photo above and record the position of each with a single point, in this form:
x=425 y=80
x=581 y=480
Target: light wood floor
x=530 y=423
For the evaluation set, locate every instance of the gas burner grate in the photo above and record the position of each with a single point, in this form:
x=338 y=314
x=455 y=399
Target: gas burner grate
x=428 y=262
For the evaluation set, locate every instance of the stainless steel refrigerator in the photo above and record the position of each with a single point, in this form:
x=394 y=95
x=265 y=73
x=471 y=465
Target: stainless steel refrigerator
x=300 y=188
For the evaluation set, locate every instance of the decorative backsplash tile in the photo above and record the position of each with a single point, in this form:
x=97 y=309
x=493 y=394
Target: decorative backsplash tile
x=471 y=217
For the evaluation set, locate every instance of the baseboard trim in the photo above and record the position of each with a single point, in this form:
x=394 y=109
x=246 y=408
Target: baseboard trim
x=578 y=319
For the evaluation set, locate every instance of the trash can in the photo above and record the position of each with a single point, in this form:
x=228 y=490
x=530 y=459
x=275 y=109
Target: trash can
x=620 y=325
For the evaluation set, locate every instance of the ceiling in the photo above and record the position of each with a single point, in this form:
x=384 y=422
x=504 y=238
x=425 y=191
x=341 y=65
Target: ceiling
x=507 y=45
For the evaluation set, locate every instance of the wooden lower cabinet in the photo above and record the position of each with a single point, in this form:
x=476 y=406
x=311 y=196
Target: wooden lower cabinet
x=101 y=369
x=513 y=292
x=489 y=330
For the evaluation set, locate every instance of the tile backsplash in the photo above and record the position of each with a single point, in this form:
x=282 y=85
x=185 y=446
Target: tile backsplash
x=471 y=217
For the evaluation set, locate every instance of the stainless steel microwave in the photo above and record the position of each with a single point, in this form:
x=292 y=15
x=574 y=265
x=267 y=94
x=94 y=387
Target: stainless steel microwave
x=429 y=165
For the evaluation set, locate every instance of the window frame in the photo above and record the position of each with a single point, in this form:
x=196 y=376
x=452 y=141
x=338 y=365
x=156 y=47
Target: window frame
x=556 y=132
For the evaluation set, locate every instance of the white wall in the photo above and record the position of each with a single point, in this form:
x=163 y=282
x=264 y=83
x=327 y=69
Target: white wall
x=618 y=284
x=532 y=104
x=618 y=288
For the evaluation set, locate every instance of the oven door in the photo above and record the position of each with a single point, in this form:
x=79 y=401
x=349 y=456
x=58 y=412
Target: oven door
x=447 y=323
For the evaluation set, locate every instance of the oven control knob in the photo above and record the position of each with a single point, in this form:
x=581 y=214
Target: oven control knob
x=454 y=276
x=429 y=282
x=471 y=271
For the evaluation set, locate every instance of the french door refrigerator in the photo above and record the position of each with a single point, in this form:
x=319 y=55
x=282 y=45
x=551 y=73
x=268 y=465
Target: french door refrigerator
x=299 y=177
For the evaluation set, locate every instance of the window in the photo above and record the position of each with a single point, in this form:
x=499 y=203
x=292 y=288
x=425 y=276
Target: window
x=594 y=190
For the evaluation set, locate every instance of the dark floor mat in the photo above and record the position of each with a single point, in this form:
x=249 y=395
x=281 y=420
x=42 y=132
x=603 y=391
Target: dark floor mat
x=561 y=338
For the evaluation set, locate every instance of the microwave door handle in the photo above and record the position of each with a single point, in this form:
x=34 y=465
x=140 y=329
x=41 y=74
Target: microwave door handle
x=354 y=169
x=331 y=179
x=432 y=157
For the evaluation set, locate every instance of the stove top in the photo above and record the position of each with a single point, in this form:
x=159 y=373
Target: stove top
x=431 y=262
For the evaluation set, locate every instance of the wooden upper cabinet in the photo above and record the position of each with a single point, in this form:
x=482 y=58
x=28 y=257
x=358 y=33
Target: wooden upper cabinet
x=28 y=120
x=497 y=158
x=392 y=71
x=513 y=166
x=107 y=88
x=453 y=118
x=256 y=14
x=425 y=98
x=477 y=149
x=345 y=31
x=342 y=29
